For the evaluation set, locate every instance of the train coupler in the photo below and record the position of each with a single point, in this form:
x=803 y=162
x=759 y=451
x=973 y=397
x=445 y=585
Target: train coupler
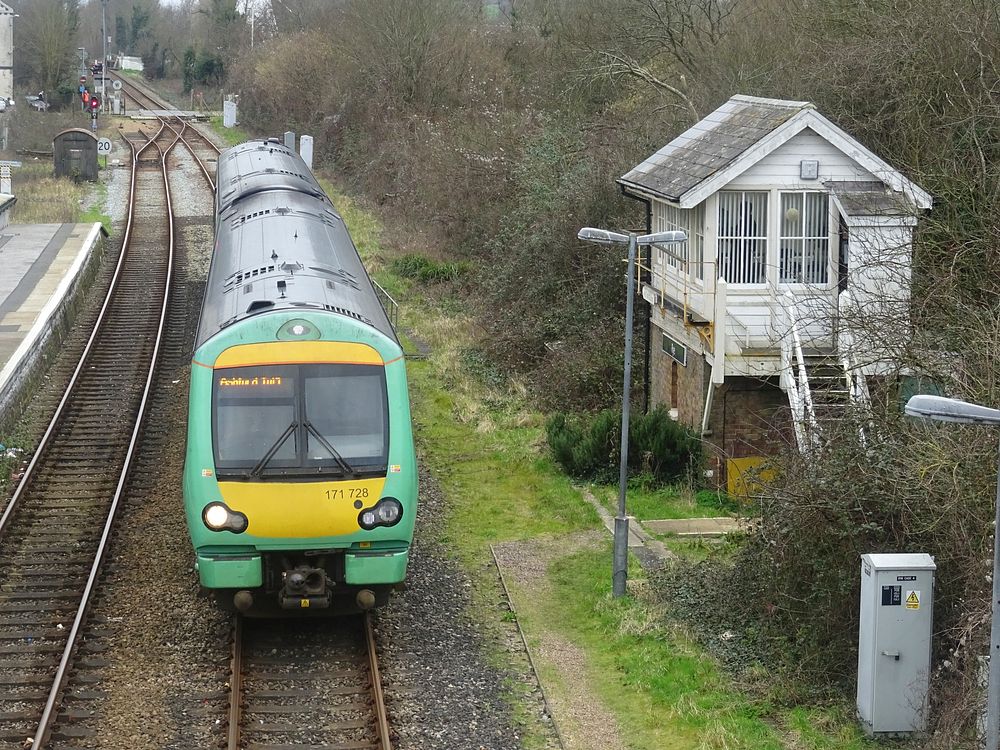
x=304 y=588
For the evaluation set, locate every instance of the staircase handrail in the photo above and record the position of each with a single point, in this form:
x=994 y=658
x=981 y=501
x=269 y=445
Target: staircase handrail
x=800 y=362
x=742 y=329
x=789 y=384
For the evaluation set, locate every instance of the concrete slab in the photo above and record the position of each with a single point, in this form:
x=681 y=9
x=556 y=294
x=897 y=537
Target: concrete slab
x=155 y=114
x=40 y=265
x=695 y=526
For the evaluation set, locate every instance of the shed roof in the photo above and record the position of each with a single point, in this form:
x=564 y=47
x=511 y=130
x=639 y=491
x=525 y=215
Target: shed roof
x=75 y=130
x=737 y=135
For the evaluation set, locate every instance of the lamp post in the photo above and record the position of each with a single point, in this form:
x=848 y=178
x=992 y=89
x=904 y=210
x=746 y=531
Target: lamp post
x=104 y=41
x=619 y=563
x=952 y=410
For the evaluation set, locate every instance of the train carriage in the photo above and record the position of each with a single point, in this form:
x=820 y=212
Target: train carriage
x=300 y=480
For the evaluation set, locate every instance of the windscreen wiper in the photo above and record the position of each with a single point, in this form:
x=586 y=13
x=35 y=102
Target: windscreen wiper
x=266 y=458
x=348 y=469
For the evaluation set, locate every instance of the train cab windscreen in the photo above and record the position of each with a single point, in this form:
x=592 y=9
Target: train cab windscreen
x=300 y=420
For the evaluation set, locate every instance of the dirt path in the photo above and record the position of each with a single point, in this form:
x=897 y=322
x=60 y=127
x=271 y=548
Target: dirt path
x=584 y=722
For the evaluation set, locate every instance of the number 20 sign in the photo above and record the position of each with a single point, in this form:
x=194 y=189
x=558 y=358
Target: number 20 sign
x=104 y=146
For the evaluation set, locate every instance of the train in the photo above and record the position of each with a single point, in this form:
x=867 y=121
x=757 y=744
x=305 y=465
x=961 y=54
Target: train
x=300 y=474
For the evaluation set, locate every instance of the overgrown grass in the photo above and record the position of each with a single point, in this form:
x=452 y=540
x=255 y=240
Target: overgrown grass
x=665 y=692
x=646 y=501
x=366 y=231
x=95 y=211
x=231 y=136
x=498 y=488
x=43 y=199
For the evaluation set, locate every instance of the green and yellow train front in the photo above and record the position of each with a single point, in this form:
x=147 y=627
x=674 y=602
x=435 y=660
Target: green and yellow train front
x=300 y=479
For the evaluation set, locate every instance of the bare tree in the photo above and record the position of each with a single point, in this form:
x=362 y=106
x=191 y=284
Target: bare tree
x=46 y=41
x=418 y=50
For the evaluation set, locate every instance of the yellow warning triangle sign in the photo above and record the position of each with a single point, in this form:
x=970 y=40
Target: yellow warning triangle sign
x=913 y=598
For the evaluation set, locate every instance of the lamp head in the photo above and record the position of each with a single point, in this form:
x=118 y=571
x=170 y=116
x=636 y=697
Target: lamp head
x=662 y=238
x=602 y=236
x=943 y=409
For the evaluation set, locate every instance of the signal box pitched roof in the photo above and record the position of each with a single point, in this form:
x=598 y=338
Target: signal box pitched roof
x=744 y=130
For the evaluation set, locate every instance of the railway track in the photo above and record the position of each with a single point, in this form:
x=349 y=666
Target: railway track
x=304 y=684
x=55 y=530
x=200 y=145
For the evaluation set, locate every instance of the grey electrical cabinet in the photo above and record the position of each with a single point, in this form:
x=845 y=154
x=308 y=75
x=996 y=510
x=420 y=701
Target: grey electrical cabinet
x=894 y=642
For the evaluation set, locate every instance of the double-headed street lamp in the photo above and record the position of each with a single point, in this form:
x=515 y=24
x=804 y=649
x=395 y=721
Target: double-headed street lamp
x=952 y=410
x=619 y=565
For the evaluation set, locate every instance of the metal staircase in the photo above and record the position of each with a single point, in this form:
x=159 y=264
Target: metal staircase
x=821 y=386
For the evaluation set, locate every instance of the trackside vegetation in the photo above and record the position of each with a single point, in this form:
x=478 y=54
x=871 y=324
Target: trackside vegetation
x=485 y=134
x=590 y=447
x=487 y=447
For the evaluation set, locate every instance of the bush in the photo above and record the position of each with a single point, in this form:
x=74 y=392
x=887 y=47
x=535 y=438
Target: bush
x=429 y=271
x=586 y=451
x=665 y=449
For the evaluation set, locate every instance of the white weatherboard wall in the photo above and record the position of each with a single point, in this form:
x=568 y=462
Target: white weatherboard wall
x=6 y=51
x=877 y=311
x=780 y=168
x=752 y=308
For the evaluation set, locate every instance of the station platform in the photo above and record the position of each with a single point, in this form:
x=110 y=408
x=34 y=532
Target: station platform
x=42 y=269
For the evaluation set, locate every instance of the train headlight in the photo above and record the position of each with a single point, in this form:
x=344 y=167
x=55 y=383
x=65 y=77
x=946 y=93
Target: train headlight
x=218 y=517
x=387 y=512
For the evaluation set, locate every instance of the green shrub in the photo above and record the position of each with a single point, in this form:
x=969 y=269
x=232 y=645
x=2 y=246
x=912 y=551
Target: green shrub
x=589 y=449
x=667 y=449
x=429 y=271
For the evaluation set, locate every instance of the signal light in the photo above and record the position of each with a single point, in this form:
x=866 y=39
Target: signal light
x=95 y=103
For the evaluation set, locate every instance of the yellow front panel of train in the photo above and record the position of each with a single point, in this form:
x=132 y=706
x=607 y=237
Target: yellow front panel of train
x=284 y=510
x=297 y=352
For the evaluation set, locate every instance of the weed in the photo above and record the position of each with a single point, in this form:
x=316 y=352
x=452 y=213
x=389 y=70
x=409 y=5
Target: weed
x=428 y=271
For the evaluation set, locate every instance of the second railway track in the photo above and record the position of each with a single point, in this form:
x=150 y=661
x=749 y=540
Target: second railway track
x=54 y=530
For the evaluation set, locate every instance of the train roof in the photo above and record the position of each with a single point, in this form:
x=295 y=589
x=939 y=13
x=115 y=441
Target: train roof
x=279 y=247
x=256 y=166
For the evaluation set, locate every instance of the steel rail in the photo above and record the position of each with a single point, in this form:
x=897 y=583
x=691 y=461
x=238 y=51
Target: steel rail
x=378 y=696
x=184 y=126
x=238 y=651
x=48 y=713
x=236 y=687
x=53 y=423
